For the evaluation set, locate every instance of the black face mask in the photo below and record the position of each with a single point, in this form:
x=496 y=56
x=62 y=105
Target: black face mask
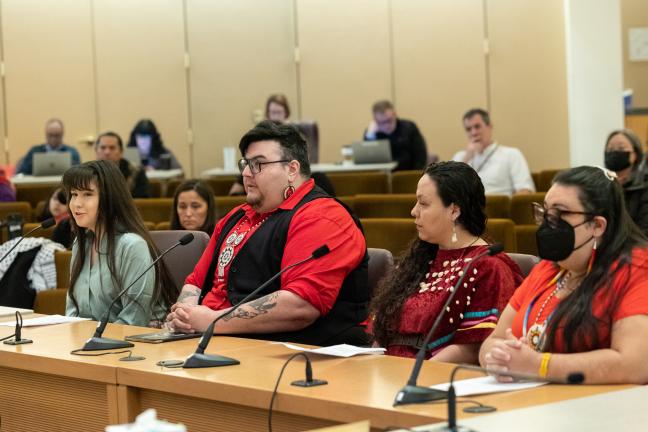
x=556 y=244
x=617 y=160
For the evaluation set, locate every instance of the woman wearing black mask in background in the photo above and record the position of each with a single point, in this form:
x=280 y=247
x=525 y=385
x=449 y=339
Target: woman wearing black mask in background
x=624 y=156
x=584 y=308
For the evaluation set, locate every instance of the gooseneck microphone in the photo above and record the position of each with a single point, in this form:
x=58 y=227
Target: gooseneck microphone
x=97 y=342
x=412 y=393
x=572 y=378
x=47 y=223
x=201 y=360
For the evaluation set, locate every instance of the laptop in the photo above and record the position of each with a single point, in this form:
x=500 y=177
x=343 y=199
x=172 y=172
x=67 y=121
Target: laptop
x=371 y=152
x=51 y=163
x=132 y=155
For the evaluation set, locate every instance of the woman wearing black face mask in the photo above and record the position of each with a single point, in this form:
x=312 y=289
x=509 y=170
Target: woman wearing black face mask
x=584 y=308
x=624 y=156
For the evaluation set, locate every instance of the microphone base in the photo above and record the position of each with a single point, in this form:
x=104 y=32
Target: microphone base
x=446 y=428
x=100 y=343
x=416 y=395
x=205 y=360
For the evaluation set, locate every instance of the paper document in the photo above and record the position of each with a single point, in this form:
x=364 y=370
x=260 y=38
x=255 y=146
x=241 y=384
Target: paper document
x=484 y=385
x=9 y=311
x=45 y=320
x=342 y=350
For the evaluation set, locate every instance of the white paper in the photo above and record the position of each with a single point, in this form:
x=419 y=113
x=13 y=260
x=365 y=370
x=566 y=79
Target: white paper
x=484 y=385
x=9 y=311
x=342 y=350
x=148 y=422
x=638 y=44
x=45 y=320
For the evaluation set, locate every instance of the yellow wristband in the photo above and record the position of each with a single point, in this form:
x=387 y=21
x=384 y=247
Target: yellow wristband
x=544 y=365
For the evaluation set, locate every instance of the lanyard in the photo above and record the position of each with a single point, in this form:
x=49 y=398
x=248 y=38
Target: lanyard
x=535 y=299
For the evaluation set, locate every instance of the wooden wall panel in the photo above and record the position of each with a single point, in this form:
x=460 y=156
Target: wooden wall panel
x=528 y=79
x=241 y=52
x=439 y=67
x=140 y=69
x=345 y=67
x=47 y=50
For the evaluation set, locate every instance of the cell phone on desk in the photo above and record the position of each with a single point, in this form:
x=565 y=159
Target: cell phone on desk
x=162 y=336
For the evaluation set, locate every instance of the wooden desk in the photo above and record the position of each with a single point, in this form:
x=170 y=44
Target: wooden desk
x=61 y=386
x=162 y=175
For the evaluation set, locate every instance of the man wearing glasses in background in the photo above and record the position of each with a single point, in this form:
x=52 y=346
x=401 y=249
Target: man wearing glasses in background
x=53 y=142
x=406 y=142
x=286 y=217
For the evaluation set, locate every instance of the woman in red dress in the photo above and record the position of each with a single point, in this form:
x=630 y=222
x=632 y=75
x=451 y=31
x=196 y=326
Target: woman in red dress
x=584 y=308
x=451 y=220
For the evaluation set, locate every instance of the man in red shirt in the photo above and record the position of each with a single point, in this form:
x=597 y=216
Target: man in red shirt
x=286 y=218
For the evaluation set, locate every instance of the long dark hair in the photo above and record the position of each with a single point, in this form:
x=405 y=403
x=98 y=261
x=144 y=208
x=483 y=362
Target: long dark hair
x=602 y=196
x=207 y=194
x=457 y=183
x=117 y=214
x=147 y=127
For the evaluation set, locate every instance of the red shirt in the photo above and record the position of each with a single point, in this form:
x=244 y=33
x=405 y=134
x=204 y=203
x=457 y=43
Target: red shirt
x=628 y=289
x=477 y=305
x=321 y=221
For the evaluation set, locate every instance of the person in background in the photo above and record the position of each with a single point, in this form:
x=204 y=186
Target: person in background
x=450 y=218
x=154 y=155
x=407 y=144
x=7 y=189
x=111 y=250
x=503 y=170
x=277 y=109
x=194 y=207
x=584 y=307
x=624 y=156
x=56 y=208
x=54 y=131
x=109 y=146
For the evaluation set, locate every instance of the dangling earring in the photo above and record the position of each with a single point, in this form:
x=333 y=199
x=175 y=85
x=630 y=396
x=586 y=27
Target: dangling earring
x=454 y=233
x=290 y=189
x=591 y=260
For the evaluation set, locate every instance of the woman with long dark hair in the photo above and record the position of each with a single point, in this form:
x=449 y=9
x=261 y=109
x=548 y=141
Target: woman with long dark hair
x=194 y=207
x=584 y=307
x=451 y=220
x=112 y=248
x=153 y=153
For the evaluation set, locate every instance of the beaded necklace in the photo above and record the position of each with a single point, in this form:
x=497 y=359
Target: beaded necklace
x=231 y=242
x=536 y=334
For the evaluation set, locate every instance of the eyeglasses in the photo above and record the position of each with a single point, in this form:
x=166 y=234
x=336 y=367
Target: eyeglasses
x=255 y=165
x=553 y=215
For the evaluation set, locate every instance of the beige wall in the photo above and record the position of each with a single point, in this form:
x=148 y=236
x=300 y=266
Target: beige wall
x=48 y=58
x=103 y=64
x=140 y=73
x=345 y=67
x=439 y=67
x=241 y=51
x=634 y=13
x=528 y=79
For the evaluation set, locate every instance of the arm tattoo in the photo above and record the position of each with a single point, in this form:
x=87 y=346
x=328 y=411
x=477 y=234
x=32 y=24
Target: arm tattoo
x=188 y=293
x=255 y=308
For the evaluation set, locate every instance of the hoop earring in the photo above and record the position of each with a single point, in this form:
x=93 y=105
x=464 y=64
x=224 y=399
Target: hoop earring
x=454 y=233
x=590 y=263
x=287 y=193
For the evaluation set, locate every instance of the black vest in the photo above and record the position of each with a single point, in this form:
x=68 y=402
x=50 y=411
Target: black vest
x=260 y=258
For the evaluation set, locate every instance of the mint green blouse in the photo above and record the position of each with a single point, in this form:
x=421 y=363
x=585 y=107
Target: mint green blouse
x=95 y=288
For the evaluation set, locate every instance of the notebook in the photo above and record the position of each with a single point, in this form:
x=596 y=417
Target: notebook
x=162 y=336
